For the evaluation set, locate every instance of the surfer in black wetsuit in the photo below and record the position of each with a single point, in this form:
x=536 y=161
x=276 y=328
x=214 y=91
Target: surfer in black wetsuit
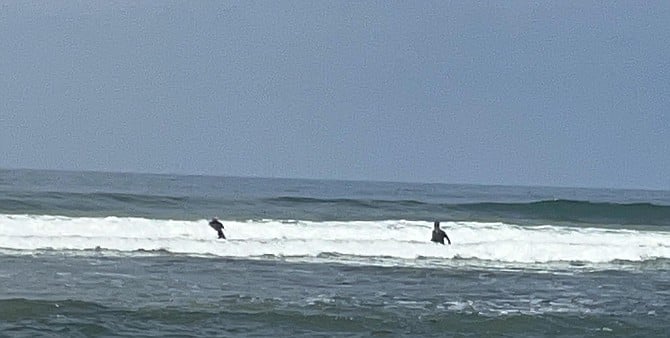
x=439 y=235
x=216 y=225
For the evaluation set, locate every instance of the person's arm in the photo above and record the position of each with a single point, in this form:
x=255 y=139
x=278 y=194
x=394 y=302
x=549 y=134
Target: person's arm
x=447 y=237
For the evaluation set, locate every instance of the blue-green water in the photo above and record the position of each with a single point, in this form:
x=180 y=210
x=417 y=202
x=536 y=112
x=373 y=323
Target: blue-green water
x=98 y=254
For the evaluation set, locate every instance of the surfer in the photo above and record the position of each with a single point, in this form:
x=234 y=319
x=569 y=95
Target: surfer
x=439 y=235
x=216 y=225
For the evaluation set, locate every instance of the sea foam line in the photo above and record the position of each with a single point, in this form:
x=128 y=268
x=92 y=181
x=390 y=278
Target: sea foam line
x=399 y=239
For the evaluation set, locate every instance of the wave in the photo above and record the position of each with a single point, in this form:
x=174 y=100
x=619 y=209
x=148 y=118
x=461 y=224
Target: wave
x=362 y=242
x=100 y=204
x=579 y=211
x=561 y=211
x=376 y=203
x=86 y=201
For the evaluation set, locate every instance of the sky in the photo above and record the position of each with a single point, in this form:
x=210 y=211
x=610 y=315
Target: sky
x=562 y=93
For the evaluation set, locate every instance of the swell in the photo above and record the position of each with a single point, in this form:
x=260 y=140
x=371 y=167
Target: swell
x=370 y=203
x=92 y=204
x=251 y=316
x=236 y=311
x=577 y=211
x=547 y=210
x=329 y=209
x=98 y=197
x=14 y=309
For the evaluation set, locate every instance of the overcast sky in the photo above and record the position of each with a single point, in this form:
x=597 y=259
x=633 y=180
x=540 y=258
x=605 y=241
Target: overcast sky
x=563 y=93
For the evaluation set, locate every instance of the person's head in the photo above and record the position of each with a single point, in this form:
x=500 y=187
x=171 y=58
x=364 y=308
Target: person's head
x=214 y=219
x=436 y=225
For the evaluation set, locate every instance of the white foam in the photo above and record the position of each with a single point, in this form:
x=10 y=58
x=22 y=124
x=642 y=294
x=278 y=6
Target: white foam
x=365 y=240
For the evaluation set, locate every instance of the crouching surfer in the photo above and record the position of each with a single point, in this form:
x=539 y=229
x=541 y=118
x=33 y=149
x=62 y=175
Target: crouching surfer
x=216 y=225
x=439 y=235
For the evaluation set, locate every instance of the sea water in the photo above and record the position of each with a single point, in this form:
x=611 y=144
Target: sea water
x=102 y=254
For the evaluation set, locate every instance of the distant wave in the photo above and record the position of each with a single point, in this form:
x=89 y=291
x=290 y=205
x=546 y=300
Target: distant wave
x=94 y=197
x=366 y=242
x=371 y=203
x=95 y=203
x=567 y=212
x=549 y=210
x=578 y=211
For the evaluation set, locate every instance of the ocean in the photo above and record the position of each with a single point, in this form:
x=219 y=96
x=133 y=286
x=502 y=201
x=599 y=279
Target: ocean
x=117 y=254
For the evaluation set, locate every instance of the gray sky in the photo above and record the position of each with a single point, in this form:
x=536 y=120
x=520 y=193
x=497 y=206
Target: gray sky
x=567 y=93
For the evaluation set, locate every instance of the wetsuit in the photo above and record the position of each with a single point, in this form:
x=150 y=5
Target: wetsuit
x=216 y=225
x=439 y=236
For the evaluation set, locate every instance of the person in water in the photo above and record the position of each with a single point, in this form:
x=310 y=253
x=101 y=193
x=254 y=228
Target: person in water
x=439 y=235
x=216 y=225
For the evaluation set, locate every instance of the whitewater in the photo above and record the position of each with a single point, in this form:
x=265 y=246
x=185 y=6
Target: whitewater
x=395 y=242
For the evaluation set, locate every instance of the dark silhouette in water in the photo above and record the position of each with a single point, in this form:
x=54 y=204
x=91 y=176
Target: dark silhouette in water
x=439 y=235
x=216 y=225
